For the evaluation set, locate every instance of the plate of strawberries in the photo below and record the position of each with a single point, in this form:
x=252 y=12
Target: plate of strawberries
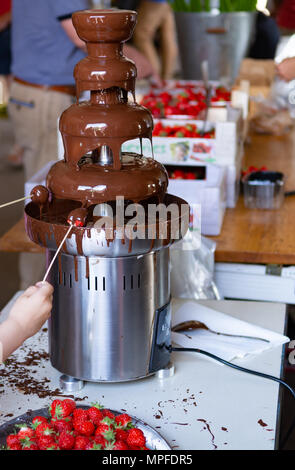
x=66 y=426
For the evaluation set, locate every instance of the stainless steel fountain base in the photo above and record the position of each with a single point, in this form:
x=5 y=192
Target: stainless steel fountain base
x=111 y=316
x=71 y=384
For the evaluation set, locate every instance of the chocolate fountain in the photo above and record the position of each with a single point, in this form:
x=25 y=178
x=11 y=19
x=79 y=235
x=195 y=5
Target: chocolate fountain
x=111 y=310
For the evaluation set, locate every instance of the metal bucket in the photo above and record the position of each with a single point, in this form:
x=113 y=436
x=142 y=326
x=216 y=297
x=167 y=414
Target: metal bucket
x=221 y=39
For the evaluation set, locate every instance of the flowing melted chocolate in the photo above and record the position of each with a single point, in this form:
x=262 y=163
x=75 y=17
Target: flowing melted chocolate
x=94 y=169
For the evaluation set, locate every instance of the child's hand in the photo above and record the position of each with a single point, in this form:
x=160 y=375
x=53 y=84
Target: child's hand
x=32 y=308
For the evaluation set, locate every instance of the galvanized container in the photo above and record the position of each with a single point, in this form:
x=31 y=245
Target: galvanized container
x=221 y=39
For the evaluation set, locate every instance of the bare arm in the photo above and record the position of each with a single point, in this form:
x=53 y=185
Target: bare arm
x=71 y=32
x=26 y=317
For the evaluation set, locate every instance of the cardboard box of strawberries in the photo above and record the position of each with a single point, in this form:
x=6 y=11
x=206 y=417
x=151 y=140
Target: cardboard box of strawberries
x=69 y=427
x=188 y=101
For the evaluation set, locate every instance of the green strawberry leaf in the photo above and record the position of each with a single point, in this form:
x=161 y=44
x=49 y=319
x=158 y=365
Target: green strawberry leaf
x=97 y=405
x=109 y=435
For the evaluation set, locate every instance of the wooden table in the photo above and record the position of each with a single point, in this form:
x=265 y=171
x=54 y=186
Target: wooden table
x=248 y=236
x=262 y=236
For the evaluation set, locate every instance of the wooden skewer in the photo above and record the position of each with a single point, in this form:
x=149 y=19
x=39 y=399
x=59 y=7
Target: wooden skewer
x=14 y=202
x=58 y=250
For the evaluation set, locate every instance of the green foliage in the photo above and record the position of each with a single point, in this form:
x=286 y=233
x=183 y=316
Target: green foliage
x=225 y=6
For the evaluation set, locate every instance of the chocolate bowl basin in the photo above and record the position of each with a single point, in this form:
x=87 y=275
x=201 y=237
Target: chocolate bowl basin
x=93 y=241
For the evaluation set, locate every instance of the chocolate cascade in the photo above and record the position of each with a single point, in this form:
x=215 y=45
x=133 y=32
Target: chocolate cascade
x=95 y=170
x=99 y=127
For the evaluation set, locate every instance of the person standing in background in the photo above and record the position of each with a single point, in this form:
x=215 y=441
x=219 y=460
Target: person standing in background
x=45 y=50
x=153 y=16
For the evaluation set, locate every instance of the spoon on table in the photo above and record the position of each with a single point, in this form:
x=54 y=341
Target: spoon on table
x=198 y=325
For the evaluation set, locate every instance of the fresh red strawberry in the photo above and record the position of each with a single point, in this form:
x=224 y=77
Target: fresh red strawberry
x=86 y=428
x=25 y=431
x=135 y=438
x=81 y=442
x=45 y=441
x=121 y=434
x=80 y=414
x=63 y=424
x=99 y=439
x=120 y=445
x=93 y=446
x=63 y=409
x=38 y=420
x=94 y=413
x=12 y=439
x=71 y=403
x=66 y=440
x=31 y=446
x=53 y=446
x=52 y=407
x=104 y=430
x=124 y=421
x=14 y=446
x=28 y=443
x=108 y=413
x=44 y=429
